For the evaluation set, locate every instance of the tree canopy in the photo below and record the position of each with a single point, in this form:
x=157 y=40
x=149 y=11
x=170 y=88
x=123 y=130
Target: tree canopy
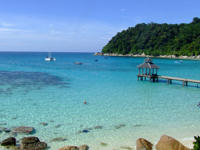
x=157 y=39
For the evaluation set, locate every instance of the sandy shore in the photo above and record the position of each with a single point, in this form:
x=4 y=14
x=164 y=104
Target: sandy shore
x=143 y=55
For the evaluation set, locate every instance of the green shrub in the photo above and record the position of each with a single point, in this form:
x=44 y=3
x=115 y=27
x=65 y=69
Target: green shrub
x=196 y=143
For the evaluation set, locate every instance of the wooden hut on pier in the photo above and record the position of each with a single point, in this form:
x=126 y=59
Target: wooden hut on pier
x=148 y=70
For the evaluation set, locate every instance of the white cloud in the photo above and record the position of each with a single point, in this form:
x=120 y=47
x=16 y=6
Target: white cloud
x=3 y=29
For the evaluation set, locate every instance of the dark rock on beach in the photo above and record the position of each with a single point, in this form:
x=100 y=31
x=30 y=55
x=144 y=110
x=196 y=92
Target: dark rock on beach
x=143 y=144
x=41 y=146
x=23 y=129
x=84 y=147
x=32 y=143
x=11 y=141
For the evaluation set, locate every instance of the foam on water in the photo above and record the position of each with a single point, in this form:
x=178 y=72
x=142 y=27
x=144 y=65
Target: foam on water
x=33 y=91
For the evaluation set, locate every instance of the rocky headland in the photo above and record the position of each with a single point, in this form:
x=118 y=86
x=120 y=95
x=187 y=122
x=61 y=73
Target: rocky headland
x=143 y=55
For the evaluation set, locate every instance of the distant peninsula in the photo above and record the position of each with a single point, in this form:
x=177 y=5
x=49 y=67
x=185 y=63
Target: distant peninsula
x=155 y=39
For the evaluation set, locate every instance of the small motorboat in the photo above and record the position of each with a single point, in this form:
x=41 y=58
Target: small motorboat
x=78 y=63
x=50 y=58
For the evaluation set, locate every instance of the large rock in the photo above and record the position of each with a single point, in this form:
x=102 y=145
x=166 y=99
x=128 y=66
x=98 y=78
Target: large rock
x=11 y=141
x=32 y=143
x=84 y=147
x=142 y=144
x=69 y=148
x=23 y=129
x=169 y=143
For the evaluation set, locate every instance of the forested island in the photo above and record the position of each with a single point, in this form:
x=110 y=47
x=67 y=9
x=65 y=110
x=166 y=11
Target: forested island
x=157 y=39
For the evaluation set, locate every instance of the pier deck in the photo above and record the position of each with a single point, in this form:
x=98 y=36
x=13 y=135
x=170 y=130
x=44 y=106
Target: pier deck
x=168 y=78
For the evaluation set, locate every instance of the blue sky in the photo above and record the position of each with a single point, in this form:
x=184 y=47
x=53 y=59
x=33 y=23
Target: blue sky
x=81 y=25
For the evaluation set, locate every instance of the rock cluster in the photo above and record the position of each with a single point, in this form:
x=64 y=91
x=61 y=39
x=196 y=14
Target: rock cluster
x=32 y=143
x=165 y=143
x=27 y=143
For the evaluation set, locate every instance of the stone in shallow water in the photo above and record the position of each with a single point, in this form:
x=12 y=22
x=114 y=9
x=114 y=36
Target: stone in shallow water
x=85 y=131
x=126 y=147
x=103 y=144
x=23 y=129
x=137 y=125
x=58 y=139
x=6 y=130
x=58 y=126
x=119 y=126
x=44 y=123
x=11 y=141
x=3 y=124
x=98 y=127
x=69 y=148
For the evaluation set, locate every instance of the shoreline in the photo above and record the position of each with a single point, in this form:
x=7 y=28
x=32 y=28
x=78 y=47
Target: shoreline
x=143 y=55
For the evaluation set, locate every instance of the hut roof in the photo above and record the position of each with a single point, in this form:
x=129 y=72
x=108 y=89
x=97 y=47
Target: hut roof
x=148 y=64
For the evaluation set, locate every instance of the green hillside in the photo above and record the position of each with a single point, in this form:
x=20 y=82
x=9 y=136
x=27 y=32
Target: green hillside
x=157 y=39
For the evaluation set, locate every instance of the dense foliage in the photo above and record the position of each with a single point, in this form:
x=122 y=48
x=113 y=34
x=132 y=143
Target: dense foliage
x=157 y=39
x=196 y=143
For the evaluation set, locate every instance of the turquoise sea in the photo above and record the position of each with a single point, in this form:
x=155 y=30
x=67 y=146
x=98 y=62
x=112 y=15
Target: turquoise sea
x=119 y=108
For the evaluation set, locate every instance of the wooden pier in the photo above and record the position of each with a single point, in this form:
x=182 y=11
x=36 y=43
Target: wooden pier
x=149 y=70
x=168 y=78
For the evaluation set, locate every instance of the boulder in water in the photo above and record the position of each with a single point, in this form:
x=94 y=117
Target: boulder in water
x=23 y=129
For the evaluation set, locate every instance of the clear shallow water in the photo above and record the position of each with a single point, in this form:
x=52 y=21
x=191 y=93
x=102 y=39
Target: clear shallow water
x=34 y=91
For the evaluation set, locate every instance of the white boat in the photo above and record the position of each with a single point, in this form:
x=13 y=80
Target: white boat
x=50 y=58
